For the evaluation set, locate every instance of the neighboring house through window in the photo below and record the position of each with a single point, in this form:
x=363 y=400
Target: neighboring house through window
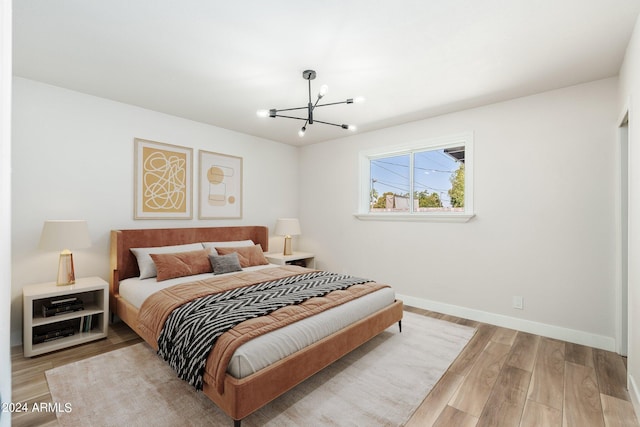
x=425 y=180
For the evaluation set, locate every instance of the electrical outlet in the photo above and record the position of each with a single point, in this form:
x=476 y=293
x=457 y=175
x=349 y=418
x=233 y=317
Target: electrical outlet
x=518 y=302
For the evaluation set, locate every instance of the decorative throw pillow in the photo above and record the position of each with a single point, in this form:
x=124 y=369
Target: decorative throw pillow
x=170 y=266
x=230 y=244
x=249 y=256
x=145 y=263
x=225 y=263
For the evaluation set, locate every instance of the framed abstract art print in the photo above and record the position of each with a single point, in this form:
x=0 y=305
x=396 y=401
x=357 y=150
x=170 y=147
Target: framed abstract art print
x=163 y=181
x=220 y=192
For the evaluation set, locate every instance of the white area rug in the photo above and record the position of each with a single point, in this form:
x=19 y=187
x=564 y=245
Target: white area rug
x=379 y=384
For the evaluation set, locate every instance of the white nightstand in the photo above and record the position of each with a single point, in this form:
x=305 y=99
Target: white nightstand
x=42 y=334
x=304 y=259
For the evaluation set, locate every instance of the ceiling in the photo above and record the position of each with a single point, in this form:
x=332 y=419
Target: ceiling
x=218 y=62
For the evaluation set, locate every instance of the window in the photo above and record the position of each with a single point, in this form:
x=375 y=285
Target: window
x=426 y=180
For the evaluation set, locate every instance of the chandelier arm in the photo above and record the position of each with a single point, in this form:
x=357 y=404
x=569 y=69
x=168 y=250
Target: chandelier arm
x=291 y=109
x=291 y=117
x=327 y=123
x=334 y=103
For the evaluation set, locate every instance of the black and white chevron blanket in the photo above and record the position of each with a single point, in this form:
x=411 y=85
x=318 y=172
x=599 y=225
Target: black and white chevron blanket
x=191 y=330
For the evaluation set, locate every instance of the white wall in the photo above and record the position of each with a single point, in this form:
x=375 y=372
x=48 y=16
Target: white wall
x=73 y=159
x=545 y=185
x=5 y=205
x=629 y=97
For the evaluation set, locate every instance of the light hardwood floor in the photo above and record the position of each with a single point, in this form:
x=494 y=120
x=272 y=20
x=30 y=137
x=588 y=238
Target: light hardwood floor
x=502 y=378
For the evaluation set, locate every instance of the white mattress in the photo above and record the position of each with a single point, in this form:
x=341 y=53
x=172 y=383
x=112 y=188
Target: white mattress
x=269 y=348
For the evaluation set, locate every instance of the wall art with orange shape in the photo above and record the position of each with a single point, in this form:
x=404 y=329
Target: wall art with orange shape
x=220 y=180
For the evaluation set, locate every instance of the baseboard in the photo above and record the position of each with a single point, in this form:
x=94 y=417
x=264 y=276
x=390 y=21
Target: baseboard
x=634 y=392
x=543 y=329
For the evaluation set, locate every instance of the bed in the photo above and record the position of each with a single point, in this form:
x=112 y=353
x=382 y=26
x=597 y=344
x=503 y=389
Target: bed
x=239 y=393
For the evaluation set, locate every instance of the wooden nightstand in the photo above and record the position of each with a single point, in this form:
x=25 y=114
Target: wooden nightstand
x=75 y=322
x=304 y=259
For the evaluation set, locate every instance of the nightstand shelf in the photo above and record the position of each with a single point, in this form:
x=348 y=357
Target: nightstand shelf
x=304 y=259
x=88 y=311
x=75 y=327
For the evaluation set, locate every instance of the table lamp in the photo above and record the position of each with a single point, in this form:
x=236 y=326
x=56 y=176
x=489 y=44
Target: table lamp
x=287 y=227
x=64 y=235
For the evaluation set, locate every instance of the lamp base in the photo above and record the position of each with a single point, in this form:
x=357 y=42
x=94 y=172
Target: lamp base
x=287 y=246
x=66 y=275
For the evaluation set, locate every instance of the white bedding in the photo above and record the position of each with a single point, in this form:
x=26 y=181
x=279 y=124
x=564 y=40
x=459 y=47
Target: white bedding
x=136 y=290
x=269 y=348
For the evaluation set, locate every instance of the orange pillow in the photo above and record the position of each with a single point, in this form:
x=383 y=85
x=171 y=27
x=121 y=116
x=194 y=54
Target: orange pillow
x=181 y=264
x=248 y=255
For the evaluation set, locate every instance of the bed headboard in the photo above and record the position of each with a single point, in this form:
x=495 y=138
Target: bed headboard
x=123 y=263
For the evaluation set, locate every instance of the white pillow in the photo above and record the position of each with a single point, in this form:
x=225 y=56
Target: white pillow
x=231 y=244
x=145 y=263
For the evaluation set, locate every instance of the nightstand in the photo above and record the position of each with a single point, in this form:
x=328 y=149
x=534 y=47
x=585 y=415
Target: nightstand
x=303 y=259
x=56 y=317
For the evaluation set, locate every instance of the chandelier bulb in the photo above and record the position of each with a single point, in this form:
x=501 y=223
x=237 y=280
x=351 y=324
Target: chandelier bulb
x=262 y=113
x=323 y=91
x=302 y=131
x=352 y=128
x=359 y=99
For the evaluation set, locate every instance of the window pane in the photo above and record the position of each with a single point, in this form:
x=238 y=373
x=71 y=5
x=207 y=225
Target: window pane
x=439 y=180
x=424 y=180
x=389 y=190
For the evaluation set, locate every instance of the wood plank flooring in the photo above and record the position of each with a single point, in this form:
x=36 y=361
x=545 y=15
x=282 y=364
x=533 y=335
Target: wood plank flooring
x=502 y=378
x=509 y=378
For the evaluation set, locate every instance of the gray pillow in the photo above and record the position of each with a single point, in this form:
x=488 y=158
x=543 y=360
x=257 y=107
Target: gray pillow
x=225 y=263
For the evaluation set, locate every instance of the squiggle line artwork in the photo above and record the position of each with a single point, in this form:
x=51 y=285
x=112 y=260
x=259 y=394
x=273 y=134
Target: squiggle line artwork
x=164 y=180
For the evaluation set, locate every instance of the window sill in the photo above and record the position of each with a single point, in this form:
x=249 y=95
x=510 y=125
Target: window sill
x=431 y=217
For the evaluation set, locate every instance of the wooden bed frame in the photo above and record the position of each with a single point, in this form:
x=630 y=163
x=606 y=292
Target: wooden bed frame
x=243 y=396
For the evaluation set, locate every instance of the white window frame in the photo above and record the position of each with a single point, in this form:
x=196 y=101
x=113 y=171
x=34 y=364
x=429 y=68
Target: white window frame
x=366 y=156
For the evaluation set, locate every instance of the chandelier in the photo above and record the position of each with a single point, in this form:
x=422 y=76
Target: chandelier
x=309 y=75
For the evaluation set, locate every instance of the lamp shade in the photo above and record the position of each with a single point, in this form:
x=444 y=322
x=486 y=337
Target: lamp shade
x=65 y=234
x=287 y=227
